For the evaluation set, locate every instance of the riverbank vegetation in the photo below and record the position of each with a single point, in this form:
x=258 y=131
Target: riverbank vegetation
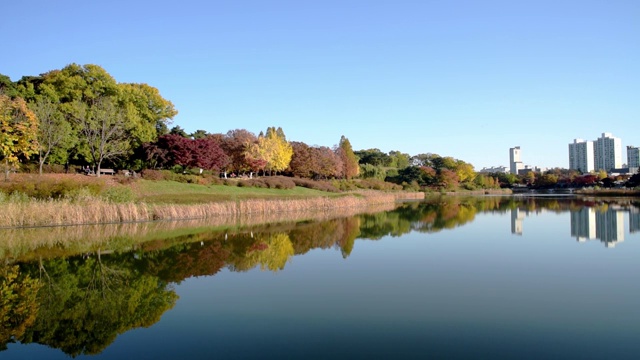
x=45 y=200
x=79 y=119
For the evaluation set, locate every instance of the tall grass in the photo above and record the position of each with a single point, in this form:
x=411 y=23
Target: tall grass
x=25 y=244
x=98 y=210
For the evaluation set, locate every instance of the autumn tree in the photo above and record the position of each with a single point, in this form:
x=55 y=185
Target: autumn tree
x=274 y=149
x=208 y=154
x=54 y=131
x=18 y=132
x=465 y=171
x=448 y=179
x=236 y=143
x=170 y=150
x=349 y=159
x=302 y=160
x=327 y=163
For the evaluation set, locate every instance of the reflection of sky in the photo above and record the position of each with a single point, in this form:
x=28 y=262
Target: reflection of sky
x=475 y=291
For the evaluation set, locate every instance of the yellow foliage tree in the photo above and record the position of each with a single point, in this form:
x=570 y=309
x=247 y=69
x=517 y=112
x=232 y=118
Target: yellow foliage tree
x=275 y=150
x=18 y=132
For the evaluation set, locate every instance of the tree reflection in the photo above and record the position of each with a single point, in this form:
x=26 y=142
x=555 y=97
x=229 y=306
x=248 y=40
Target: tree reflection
x=86 y=302
x=80 y=303
x=18 y=304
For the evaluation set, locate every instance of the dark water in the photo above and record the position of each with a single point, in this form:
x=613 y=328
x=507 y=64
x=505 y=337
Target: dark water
x=465 y=278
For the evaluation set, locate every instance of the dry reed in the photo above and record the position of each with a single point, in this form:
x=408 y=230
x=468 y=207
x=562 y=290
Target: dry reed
x=43 y=242
x=64 y=212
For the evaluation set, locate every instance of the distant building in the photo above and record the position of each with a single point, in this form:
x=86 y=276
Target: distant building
x=633 y=157
x=515 y=162
x=608 y=152
x=494 y=169
x=581 y=156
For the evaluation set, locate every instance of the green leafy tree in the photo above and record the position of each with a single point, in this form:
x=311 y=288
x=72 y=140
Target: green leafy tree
x=18 y=132
x=199 y=134
x=8 y=87
x=399 y=160
x=102 y=128
x=372 y=156
x=54 y=131
x=147 y=112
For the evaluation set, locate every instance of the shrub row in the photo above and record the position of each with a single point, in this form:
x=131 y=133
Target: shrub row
x=52 y=188
x=315 y=185
x=271 y=182
x=365 y=184
x=204 y=179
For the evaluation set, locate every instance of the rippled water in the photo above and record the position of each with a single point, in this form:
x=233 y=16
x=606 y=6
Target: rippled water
x=457 y=278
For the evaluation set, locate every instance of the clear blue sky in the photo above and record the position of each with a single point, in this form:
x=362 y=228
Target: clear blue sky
x=467 y=79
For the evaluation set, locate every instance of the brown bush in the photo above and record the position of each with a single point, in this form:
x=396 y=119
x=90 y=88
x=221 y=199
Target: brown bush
x=316 y=185
x=149 y=174
x=52 y=186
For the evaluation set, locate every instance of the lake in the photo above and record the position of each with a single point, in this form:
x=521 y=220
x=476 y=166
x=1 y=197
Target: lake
x=480 y=277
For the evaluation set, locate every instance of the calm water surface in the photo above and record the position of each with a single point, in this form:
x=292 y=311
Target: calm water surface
x=462 y=278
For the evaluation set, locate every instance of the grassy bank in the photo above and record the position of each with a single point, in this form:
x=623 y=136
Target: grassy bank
x=111 y=201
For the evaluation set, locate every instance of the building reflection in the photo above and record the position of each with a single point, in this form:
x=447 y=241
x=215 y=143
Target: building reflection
x=591 y=224
x=634 y=220
x=517 y=219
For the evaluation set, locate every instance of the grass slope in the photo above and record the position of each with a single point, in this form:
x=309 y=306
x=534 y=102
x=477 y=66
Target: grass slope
x=171 y=192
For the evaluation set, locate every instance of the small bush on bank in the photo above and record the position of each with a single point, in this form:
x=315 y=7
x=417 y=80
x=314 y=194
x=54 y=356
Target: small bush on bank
x=369 y=184
x=315 y=185
x=118 y=194
x=413 y=186
x=149 y=174
x=344 y=185
x=46 y=187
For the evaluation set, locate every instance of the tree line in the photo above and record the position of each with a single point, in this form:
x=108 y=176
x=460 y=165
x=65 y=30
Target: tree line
x=81 y=116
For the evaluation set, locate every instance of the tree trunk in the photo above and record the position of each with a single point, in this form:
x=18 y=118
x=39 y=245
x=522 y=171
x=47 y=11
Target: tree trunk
x=6 y=170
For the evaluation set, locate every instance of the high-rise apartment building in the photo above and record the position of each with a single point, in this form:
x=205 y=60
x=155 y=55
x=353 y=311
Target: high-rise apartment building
x=515 y=162
x=581 y=156
x=607 y=152
x=633 y=157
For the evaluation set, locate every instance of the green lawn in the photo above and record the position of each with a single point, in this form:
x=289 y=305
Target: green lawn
x=180 y=193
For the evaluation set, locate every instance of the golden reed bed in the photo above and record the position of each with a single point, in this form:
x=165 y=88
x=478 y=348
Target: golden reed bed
x=34 y=242
x=61 y=212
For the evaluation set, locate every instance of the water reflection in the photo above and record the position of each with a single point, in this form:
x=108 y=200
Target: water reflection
x=589 y=221
x=79 y=296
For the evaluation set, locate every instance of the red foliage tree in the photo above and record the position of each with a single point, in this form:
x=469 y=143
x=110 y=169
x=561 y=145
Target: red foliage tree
x=302 y=161
x=235 y=144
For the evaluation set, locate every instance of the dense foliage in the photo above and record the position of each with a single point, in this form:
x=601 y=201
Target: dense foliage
x=80 y=116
